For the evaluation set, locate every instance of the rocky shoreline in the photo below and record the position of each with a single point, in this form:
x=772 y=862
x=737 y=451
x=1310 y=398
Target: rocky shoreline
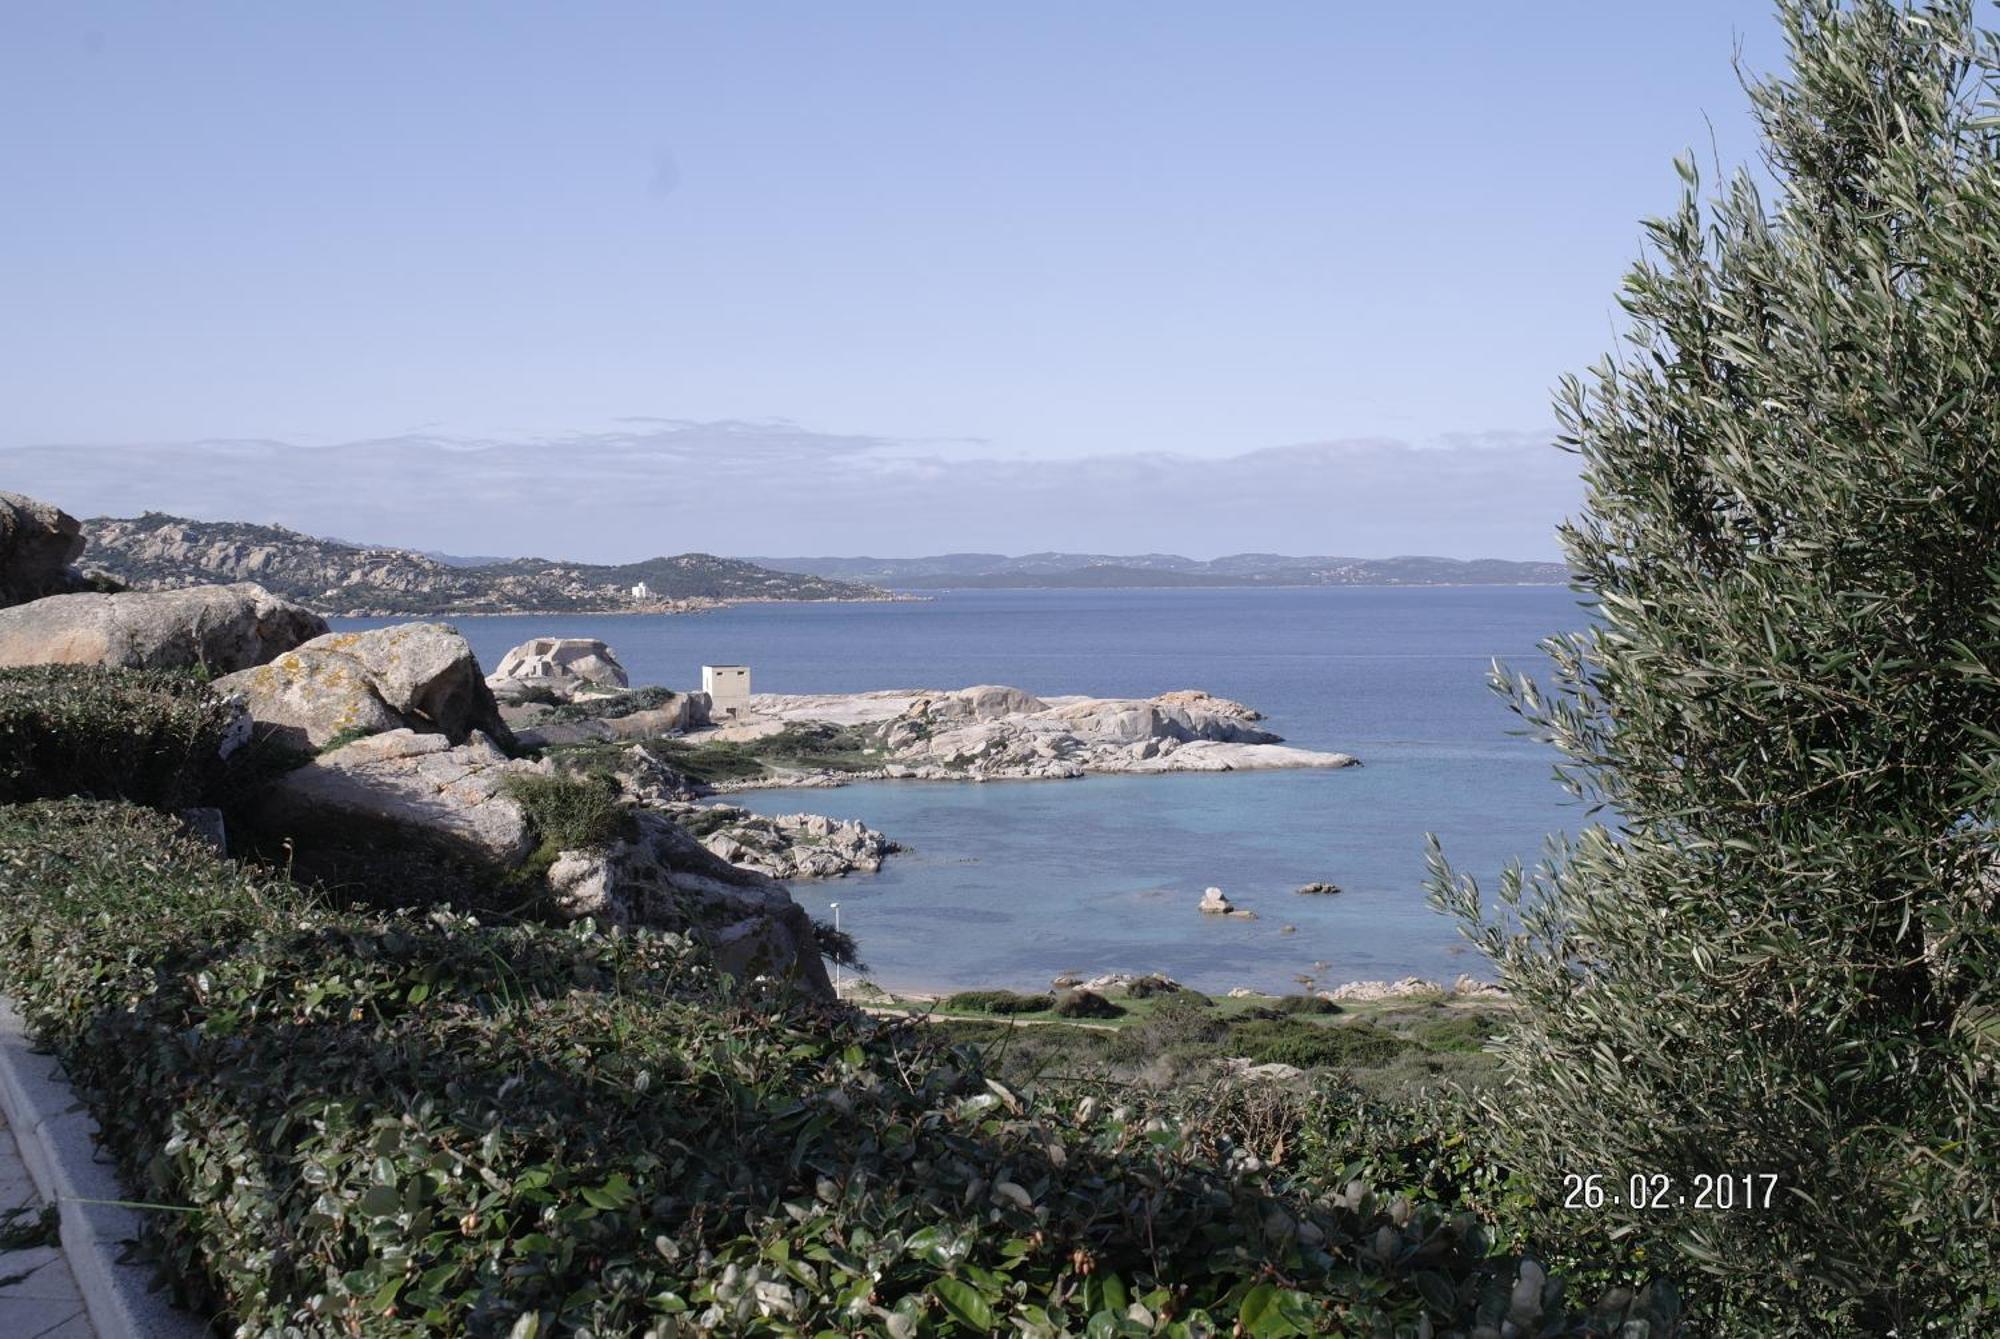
x=992 y=732
x=572 y=694
x=1409 y=989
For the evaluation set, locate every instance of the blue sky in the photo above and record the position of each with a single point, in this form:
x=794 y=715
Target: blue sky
x=1124 y=242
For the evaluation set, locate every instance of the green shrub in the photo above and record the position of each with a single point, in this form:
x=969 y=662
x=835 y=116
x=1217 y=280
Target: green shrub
x=1780 y=957
x=708 y=820
x=1086 y=1004
x=999 y=1002
x=613 y=706
x=837 y=945
x=150 y=736
x=1415 y=1073
x=1287 y=1006
x=722 y=760
x=1434 y=1149
x=1456 y=1030
x=1312 y=1045
x=571 y=813
x=1181 y=1029
x=412 y=1123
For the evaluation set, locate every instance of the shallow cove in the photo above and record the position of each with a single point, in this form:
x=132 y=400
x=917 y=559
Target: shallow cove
x=1009 y=883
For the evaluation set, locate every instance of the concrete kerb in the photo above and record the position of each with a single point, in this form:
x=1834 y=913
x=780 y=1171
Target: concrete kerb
x=58 y=1143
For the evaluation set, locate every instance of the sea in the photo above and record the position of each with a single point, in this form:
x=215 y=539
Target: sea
x=1012 y=883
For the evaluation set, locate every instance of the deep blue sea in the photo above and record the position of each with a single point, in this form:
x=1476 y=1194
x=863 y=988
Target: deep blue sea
x=1011 y=883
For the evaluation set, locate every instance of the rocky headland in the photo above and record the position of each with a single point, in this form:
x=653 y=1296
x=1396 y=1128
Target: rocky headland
x=992 y=732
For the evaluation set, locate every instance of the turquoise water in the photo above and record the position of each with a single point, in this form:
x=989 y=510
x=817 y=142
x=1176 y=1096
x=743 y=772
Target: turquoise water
x=1011 y=883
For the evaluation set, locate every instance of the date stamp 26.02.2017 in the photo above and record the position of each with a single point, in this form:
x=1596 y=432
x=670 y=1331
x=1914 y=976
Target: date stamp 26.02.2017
x=1656 y=1190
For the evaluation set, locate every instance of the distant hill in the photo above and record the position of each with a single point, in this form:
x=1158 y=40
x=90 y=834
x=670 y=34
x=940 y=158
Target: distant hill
x=160 y=551
x=1097 y=570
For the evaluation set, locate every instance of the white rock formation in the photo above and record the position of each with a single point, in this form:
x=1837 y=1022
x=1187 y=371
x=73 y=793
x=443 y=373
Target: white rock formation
x=564 y=665
x=992 y=732
x=786 y=846
x=1214 y=903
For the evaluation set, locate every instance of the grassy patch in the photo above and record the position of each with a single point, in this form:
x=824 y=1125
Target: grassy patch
x=571 y=813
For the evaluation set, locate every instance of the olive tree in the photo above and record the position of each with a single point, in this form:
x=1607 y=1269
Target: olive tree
x=1775 y=952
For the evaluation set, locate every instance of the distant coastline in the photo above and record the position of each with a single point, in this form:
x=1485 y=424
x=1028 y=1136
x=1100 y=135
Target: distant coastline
x=1096 y=571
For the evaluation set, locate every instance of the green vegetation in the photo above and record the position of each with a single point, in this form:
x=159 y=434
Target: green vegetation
x=571 y=812
x=386 y=1123
x=812 y=746
x=999 y=1002
x=1784 y=959
x=1085 y=1004
x=707 y=820
x=150 y=736
x=26 y=1227
x=1296 y=1042
x=614 y=706
x=1284 y=1005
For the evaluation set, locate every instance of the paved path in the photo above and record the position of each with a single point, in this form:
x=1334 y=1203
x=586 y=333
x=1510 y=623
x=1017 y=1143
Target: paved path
x=38 y=1295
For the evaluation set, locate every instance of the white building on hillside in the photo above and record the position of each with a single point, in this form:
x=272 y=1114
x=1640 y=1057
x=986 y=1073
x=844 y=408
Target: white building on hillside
x=728 y=689
x=642 y=591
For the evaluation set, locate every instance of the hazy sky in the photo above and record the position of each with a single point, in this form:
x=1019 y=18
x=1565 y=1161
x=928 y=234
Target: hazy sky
x=834 y=277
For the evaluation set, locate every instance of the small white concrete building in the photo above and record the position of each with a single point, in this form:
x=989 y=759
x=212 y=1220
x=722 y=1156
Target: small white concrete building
x=642 y=591
x=728 y=688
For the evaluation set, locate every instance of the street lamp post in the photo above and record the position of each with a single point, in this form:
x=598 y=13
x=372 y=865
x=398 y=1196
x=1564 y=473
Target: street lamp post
x=836 y=960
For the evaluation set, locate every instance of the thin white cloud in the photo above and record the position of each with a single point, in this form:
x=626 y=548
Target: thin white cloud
x=665 y=486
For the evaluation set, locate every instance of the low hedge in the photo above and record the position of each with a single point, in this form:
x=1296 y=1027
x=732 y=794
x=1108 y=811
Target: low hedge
x=1000 y=1002
x=379 y=1123
x=150 y=736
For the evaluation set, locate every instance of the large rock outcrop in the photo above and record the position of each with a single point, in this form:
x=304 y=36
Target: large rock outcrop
x=407 y=787
x=443 y=809
x=563 y=666
x=661 y=876
x=784 y=846
x=38 y=542
x=420 y=675
x=217 y=628
x=991 y=732
x=669 y=713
